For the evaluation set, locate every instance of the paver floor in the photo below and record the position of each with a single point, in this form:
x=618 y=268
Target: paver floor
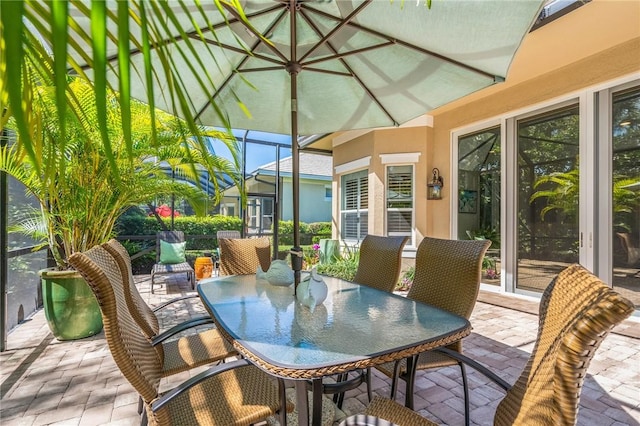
x=44 y=381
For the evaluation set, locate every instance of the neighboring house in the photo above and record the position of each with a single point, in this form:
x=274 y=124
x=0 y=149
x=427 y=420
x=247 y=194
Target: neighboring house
x=315 y=193
x=570 y=105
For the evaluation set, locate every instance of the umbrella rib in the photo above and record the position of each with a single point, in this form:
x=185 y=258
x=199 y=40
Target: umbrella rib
x=191 y=34
x=252 y=30
x=410 y=46
x=320 y=70
x=341 y=24
x=242 y=62
x=261 y=69
x=360 y=82
x=349 y=53
x=240 y=50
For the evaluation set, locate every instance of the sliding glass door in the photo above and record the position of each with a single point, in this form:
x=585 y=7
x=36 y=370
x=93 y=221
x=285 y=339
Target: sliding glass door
x=548 y=178
x=625 y=168
x=479 y=182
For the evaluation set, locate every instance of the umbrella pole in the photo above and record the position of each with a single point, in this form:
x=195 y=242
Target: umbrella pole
x=293 y=67
x=296 y=251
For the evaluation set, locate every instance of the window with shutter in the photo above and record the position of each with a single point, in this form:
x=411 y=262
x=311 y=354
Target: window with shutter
x=400 y=201
x=354 y=206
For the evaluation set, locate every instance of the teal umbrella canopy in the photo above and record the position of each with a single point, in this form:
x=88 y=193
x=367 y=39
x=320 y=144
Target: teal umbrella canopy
x=304 y=67
x=358 y=63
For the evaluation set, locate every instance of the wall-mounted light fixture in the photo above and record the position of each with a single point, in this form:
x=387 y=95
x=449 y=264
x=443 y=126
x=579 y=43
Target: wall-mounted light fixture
x=434 y=188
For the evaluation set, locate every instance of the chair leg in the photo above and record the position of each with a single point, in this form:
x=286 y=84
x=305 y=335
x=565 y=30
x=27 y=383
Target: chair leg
x=140 y=405
x=368 y=379
x=465 y=385
x=152 y=280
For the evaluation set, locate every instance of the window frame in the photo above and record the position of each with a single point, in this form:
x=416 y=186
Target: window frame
x=412 y=232
x=357 y=175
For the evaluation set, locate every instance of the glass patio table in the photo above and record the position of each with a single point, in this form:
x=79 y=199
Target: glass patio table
x=356 y=327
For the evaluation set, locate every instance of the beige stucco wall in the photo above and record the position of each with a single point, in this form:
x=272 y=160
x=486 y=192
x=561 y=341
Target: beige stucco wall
x=374 y=144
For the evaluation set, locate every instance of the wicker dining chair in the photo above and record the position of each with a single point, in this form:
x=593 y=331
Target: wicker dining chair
x=234 y=393
x=577 y=311
x=242 y=256
x=170 y=269
x=225 y=233
x=380 y=262
x=447 y=276
x=179 y=355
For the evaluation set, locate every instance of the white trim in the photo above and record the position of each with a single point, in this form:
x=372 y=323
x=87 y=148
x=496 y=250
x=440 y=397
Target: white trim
x=403 y=157
x=353 y=165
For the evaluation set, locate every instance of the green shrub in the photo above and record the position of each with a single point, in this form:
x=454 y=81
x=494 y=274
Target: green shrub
x=309 y=233
x=345 y=267
x=190 y=225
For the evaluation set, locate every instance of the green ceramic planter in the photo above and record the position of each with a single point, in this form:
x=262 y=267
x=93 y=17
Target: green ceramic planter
x=70 y=307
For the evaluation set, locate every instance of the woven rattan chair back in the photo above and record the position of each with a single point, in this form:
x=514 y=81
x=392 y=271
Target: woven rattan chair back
x=140 y=311
x=448 y=274
x=242 y=256
x=577 y=311
x=380 y=262
x=135 y=357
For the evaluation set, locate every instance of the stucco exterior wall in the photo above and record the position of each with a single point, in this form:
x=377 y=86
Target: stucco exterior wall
x=375 y=144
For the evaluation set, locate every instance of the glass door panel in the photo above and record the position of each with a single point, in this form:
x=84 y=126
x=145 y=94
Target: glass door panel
x=548 y=197
x=626 y=193
x=479 y=195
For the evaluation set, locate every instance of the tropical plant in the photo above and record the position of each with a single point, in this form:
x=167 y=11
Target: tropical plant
x=561 y=191
x=80 y=195
x=49 y=35
x=345 y=267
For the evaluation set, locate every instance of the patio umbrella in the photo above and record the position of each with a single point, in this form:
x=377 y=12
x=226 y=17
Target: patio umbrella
x=325 y=66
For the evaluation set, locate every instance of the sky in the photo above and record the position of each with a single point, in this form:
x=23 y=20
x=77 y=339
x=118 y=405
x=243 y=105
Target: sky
x=257 y=155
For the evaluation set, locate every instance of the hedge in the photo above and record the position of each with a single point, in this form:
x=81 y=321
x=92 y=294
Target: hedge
x=133 y=224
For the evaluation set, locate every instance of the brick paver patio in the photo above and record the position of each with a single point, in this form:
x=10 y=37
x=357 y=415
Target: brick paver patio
x=45 y=381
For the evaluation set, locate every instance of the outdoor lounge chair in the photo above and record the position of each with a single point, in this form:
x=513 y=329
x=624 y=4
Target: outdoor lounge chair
x=577 y=311
x=242 y=256
x=183 y=267
x=448 y=276
x=234 y=393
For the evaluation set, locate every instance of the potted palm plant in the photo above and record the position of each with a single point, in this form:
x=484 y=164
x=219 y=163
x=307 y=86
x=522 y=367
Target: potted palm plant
x=81 y=190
